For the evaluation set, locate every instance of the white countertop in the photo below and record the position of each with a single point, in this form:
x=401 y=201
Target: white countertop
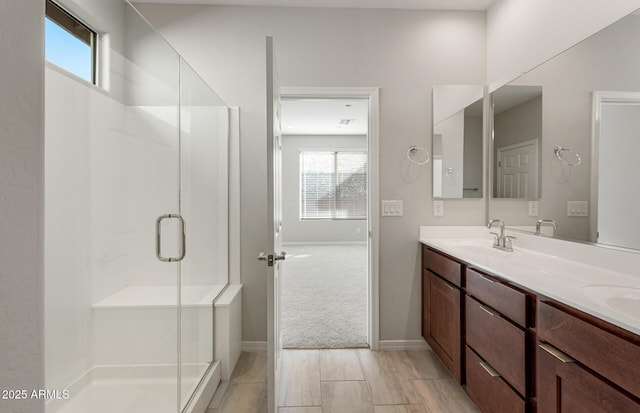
x=610 y=294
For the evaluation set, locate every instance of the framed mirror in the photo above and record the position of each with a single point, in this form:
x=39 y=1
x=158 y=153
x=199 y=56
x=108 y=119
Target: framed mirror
x=588 y=142
x=457 y=141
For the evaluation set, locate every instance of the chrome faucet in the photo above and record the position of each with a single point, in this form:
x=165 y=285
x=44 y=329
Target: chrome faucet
x=501 y=241
x=549 y=222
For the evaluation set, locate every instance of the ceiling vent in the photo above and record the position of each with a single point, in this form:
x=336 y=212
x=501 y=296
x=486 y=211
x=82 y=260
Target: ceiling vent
x=346 y=122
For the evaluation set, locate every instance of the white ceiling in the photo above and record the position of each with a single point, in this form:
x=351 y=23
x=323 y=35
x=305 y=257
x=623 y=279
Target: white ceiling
x=324 y=116
x=361 y=4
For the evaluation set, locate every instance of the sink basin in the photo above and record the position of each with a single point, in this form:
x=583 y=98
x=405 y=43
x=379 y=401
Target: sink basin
x=625 y=300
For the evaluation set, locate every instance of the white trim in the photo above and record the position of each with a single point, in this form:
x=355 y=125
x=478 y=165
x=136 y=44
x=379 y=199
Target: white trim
x=251 y=346
x=372 y=94
x=404 y=345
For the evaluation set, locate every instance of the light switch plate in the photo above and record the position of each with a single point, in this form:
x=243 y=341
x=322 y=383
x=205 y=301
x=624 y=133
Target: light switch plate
x=438 y=208
x=577 y=208
x=533 y=208
x=392 y=208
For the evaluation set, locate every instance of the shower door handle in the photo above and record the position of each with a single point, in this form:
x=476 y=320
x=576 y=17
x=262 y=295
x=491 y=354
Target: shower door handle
x=181 y=237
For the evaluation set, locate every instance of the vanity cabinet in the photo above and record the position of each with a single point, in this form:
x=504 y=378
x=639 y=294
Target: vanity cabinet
x=585 y=364
x=498 y=354
x=441 y=308
x=517 y=351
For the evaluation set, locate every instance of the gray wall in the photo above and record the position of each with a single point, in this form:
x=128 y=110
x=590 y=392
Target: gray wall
x=21 y=201
x=295 y=230
x=606 y=61
x=521 y=34
x=473 y=155
x=404 y=52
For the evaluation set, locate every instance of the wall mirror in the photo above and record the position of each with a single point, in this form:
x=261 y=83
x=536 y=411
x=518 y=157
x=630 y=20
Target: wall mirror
x=457 y=141
x=588 y=144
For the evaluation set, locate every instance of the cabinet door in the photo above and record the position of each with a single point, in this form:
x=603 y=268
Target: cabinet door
x=445 y=323
x=565 y=386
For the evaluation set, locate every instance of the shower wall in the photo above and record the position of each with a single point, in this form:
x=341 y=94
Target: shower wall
x=96 y=216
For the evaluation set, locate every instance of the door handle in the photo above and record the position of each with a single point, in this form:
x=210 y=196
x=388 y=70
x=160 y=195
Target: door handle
x=182 y=238
x=272 y=257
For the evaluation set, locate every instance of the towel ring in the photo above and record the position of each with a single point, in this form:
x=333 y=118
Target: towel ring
x=412 y=150
x=559 y=151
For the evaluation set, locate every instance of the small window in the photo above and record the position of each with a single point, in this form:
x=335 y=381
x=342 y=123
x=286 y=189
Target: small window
x=69 y=43
x=333 y=185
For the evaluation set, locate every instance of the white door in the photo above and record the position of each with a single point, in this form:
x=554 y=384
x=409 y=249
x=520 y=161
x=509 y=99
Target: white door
x=274 y=255
x=518 y=170
x=618 y=170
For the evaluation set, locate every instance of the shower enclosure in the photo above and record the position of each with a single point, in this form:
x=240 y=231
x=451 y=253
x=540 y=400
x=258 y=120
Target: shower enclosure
x=136 y=177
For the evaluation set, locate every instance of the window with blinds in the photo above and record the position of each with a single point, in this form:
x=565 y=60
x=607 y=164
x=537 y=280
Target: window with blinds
x=333 y=185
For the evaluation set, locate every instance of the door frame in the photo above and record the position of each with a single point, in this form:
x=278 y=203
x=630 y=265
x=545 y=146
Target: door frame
x=601 y=98
x=372 y=95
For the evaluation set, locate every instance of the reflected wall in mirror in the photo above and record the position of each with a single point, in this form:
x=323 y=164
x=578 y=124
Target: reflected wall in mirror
x=457 y=141
x=607 y=61
x=517 y=133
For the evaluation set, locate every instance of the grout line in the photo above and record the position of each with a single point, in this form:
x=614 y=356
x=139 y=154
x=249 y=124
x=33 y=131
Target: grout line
x=340 y=380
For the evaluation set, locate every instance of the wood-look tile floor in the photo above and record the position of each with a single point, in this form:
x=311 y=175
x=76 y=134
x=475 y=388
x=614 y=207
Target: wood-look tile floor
x=347 y=381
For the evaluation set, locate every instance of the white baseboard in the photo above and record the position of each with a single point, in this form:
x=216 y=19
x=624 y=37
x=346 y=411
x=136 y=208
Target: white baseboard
x=254 y=346
x=250 y=346
x=404 y=345
x=284 y=244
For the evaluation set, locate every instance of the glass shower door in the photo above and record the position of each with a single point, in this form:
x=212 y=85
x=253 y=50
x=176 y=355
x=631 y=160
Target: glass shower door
x=112 y=159
x=204 y=121
x=137 y=325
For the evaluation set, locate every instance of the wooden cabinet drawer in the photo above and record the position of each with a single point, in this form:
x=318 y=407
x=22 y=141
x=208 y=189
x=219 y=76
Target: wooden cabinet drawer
x=443 y=266
x=490 y=392
x=500 y=343
x=592 y=342
x=502 y=297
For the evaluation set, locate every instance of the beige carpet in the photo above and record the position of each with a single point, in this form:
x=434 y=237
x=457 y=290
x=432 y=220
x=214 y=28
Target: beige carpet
x=324 y=296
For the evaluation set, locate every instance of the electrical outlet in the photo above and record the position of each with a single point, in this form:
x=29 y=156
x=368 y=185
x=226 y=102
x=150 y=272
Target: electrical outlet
x=438 y=208
x=533 y=208
x=577 y=208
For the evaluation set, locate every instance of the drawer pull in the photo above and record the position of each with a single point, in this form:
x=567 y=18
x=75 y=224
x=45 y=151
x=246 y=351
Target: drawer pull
x=489 y=369
x=449 y=286
x=486 y=310
x=487 y=279
x=556 y=353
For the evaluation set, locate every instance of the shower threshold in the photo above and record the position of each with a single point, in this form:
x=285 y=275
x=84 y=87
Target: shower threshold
x=129 y=389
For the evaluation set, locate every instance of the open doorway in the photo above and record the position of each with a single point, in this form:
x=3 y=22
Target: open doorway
x=325 y=290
